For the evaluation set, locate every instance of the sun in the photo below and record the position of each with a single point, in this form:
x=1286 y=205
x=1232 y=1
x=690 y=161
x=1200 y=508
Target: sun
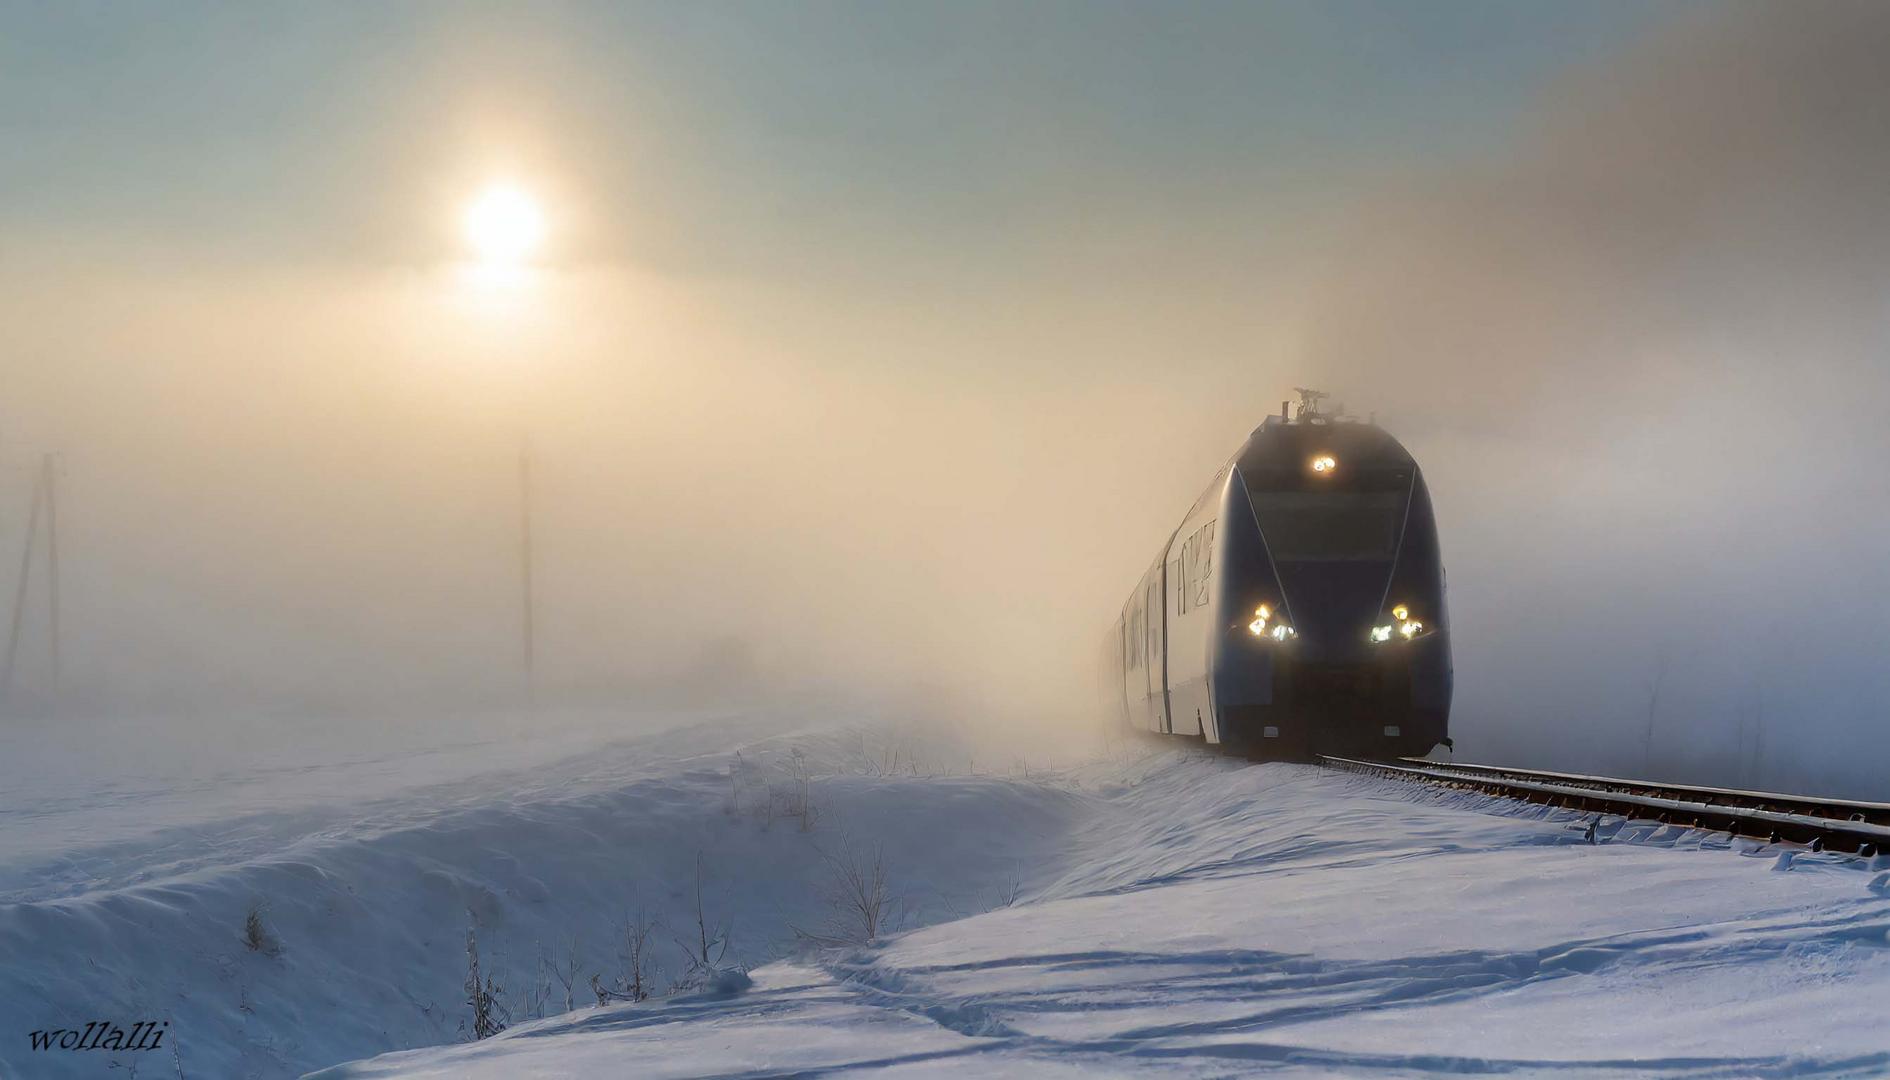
x=504 y=225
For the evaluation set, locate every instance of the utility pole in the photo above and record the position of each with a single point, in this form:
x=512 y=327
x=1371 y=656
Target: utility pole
x=44 y=496
x=526 y=604
x=19 y=587
x=50 y=469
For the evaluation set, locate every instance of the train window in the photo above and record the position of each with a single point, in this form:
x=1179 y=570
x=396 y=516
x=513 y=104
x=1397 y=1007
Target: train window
x=1132 y=640
x=1203 y=564
x=1296 y=477
x=1193 y=570
x=1302 y=526
x=1155 y=605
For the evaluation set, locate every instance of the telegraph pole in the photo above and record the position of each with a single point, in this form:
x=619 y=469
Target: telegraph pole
x=19 y=588
x=44 y=499
x=50 y=469
x=526 y=599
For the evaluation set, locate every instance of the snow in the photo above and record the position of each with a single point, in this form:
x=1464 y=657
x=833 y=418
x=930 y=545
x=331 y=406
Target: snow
x=1158 y=910
x=370 y=891
x=81 y=801
x=1211 y=918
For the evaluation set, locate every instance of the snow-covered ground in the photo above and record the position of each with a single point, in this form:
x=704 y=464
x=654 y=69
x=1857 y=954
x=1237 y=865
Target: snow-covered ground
x=1160 y=909
x=131 y=903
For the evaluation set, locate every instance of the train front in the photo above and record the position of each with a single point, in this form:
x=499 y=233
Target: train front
x=1339 y=642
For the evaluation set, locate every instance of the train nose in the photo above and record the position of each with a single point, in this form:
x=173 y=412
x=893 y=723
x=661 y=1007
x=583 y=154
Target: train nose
x=1334 y=605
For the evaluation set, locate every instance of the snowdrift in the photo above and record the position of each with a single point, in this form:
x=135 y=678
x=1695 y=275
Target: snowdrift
x=1164 y=909
x=359 y=941
x=1210 y=919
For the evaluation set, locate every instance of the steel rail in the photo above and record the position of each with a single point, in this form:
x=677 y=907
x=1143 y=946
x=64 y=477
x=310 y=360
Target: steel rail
x=1816 y=806
x=1761 y=816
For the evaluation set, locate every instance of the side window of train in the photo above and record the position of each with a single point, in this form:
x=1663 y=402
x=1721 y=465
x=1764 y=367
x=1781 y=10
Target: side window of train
x=1154 y=627
x=1205 y=558
x=1194 y=569
x=1184 y=576
x=1178 y=573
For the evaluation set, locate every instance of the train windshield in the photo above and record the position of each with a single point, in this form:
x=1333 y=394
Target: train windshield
x=1331 y=526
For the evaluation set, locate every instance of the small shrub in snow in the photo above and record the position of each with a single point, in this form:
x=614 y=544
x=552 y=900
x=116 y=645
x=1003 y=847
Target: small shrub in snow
x=489 y=1014
x=702 y=955
x=531 y=1000
x=801 y=791
x=564 y=968
x=790 y=796
x=540 y=998
x=860 y=903
x=1007 y=895
x=256 y=936
x=735 y=785
x=637 y=981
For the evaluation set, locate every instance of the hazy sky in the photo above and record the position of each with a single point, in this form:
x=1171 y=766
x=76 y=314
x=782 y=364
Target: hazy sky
x=879 y=344
x=757 y=139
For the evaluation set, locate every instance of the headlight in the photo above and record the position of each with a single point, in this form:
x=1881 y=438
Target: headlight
x=1263 y=625
x=1401 y=626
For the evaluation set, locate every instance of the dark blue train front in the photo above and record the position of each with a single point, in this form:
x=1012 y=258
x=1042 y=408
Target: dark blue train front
x=1299 y=607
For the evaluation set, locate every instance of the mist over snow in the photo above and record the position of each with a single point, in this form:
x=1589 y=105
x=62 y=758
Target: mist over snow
x=1643 y=360
x=1154 y=907
x=833 y=370
x=364 y=873
x=854 y=437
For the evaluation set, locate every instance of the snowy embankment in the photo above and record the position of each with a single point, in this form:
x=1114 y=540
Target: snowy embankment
x=1163 y=910
x=364 y=893
x=1207 y=918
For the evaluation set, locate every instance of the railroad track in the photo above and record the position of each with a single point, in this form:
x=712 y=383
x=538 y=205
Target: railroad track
x=1836 y=824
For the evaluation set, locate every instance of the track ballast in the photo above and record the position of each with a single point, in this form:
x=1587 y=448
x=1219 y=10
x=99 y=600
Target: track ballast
x=1837 y=824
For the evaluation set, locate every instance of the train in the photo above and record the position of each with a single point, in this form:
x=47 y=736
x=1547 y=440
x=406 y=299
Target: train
x=1298 y=607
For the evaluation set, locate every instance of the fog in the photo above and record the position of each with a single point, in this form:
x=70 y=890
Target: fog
x=305 y=497
x=1636 y=343
x=1643 y=361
